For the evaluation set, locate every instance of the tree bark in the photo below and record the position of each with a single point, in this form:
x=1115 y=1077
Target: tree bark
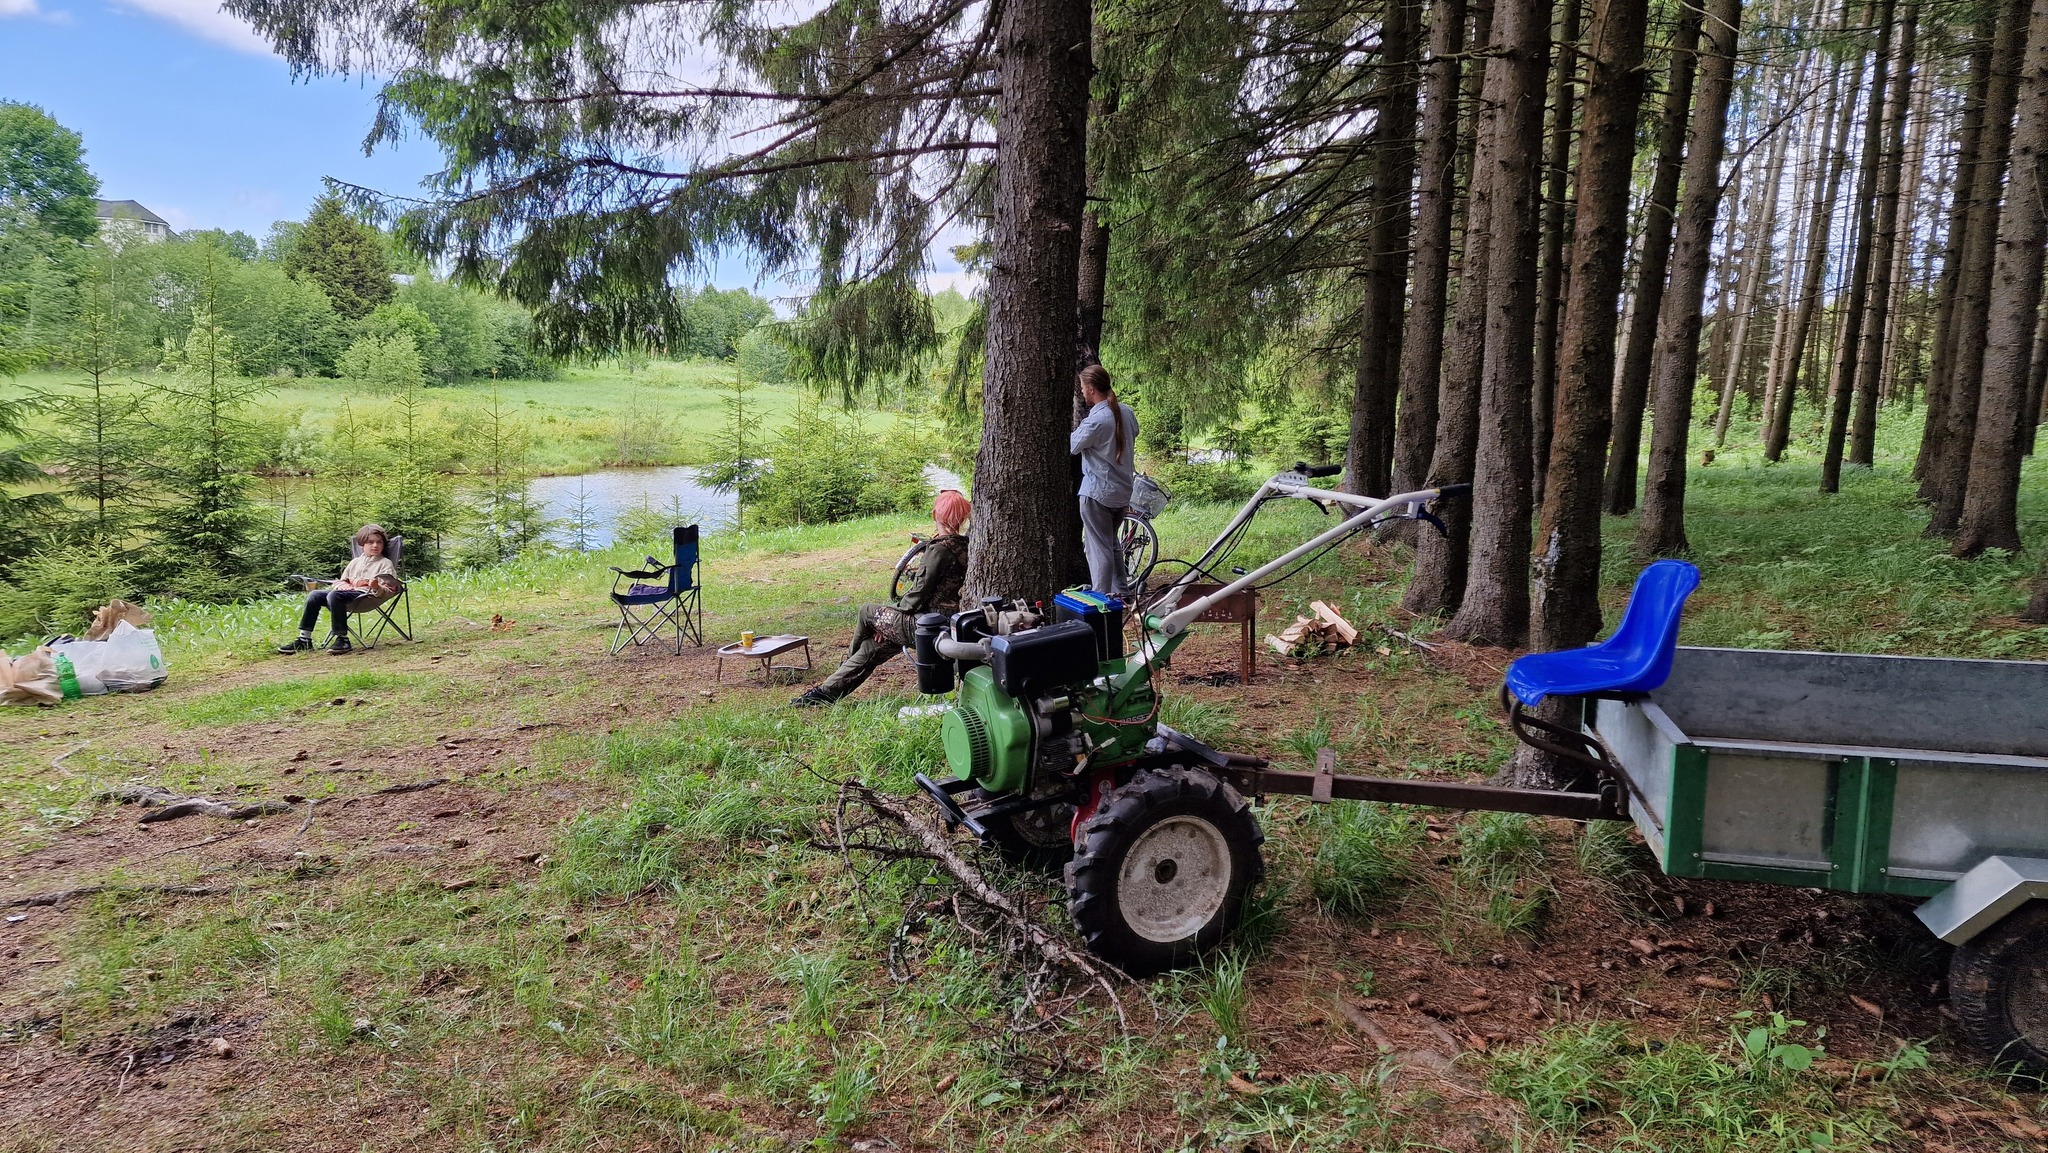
x=1883 y=249
x=1567 y=564
x=1443 y=561
x=1934 y=430
x=1819 y=226
x=1847 y=357
x=1661 y=531
x=2037 y=383
x=1495 y=608
x=1762 y=234
x=1550 y=290
x=1632 y=386
x=1422 y=341
x=1973 y=292
x=1369 y=457
x=1990 y=516
x=1024 y=505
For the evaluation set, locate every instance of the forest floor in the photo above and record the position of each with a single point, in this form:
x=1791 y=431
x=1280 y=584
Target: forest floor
x=523 y=896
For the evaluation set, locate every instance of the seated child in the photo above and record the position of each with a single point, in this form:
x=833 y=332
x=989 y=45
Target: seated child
x=369 y=577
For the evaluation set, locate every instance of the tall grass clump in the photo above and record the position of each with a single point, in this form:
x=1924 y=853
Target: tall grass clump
x=1501 y=856
x=1363 y=854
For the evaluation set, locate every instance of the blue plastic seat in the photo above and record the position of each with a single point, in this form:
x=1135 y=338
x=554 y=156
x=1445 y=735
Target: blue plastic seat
x=1636 y=659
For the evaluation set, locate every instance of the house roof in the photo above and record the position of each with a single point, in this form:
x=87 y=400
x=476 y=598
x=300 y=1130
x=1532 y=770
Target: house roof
x=127 y=210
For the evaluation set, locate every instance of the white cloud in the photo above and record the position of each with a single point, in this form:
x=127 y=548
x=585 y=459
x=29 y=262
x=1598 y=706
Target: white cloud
x=17 y=8
x=200 y=17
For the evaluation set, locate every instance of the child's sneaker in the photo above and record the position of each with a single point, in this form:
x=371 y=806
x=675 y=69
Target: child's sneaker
x=298 y=645
x=340 y=646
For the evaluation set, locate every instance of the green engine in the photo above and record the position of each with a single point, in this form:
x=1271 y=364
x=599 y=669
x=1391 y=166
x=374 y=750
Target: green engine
x=1045 y=705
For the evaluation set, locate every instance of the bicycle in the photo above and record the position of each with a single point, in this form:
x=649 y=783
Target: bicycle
x=1137 y=541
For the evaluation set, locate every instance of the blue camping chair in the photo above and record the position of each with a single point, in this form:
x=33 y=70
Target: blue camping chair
x=645 y=609
x=1631 y=663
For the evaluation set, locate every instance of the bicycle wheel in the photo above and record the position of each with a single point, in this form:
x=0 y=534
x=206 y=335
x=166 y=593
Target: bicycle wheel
x=1138 y=545
x=903 y=566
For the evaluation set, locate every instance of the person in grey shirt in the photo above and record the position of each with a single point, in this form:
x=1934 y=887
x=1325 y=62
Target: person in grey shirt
x=1106 y=441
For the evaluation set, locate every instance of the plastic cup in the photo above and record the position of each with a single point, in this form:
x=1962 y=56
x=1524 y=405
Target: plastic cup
x=747 y=640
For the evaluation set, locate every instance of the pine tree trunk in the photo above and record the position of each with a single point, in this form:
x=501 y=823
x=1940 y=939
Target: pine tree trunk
x=1632 y=385
x=1990 y=517
x=1025 y=516
x=2037 y=383
x=1762 y=231
x=1969 y=140
x=1550 y=290
x=1442 y=560
x=1567 y=564
x=1952 y=475
x=1422 y=341
x=1495 y=608
x=1847 y=356
x=1819 y=226
x=1918 y=113
x=1369 y=458
x=1661 y=531
x=1883 y=249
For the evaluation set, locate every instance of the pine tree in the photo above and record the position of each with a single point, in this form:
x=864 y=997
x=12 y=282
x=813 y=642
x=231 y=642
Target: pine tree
x=412 y=498
x=734 y=467
x=96 y=432
x=203 y=456
x=345 y=257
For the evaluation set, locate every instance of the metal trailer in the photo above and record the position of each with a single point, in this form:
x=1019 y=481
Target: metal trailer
x=1911 y=776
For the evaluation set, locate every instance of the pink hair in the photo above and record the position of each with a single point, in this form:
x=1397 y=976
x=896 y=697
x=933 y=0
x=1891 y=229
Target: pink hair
x=950 y=511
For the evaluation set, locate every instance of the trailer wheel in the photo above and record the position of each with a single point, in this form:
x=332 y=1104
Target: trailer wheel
x=1161 y=871
x=1040 y=839
x=1998 y=985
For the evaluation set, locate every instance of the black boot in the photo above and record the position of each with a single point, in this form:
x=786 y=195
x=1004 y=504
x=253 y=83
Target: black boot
x=813 y=698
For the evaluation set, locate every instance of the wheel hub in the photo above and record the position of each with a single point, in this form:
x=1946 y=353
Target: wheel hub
x=1175 y=879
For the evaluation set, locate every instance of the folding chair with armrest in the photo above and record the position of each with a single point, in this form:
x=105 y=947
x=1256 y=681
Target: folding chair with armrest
x=646 y=609
x=392 y=611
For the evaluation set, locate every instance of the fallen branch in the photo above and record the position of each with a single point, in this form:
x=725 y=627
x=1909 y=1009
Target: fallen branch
x=169 y=806
x=66 y=755
x=975 y=886
x=193 y=845
x=416 y=786
x=63 y=895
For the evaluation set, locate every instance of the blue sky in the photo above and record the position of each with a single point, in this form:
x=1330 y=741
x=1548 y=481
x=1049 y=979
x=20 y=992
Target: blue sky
x=184 y=109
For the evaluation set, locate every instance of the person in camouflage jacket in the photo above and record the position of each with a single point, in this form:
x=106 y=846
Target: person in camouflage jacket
x=930 y=585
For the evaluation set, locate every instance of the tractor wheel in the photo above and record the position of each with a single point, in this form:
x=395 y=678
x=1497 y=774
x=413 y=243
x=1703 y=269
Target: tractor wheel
x=1161 y=871
x=1998 y=985
x=1041 y=839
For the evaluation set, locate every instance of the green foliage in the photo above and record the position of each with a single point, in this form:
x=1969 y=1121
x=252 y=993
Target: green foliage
x=391 y=362
x=717 y=321
x=507 y=519
x=56 y=590
x=95 y=431
x=345 y=257
x=1500 y=855
x=824 y=468
x=202 y=461
x=733 y=465
x=1363 y=854
x=763 y=357
x=1758 y=1090
x=1204 y=482
x=43 y=172
x=410 y=496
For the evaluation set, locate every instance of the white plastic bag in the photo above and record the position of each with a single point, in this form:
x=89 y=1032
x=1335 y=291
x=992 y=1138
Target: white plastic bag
x=128 y=661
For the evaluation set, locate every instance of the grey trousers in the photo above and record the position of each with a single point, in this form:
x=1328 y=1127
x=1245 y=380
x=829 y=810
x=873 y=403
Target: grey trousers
x=1098 y=537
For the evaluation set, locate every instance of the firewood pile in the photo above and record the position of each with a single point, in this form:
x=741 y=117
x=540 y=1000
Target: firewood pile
x=1312 y=636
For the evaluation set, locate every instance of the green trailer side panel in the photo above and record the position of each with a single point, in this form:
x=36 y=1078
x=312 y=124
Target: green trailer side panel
x=1862 y=840
x=1682 y=825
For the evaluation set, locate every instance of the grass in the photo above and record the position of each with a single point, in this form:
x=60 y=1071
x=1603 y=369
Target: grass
x=670 y=962
x=586 y=417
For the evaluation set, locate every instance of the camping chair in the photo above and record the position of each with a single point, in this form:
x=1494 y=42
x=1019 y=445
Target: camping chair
x=645 y=609
x=389 y=610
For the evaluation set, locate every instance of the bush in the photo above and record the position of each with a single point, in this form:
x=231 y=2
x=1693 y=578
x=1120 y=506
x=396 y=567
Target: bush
x=1204 y=482
x=57 y=590
x=825 y=468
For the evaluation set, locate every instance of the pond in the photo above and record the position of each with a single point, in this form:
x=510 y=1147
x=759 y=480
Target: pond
x=596 y=500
